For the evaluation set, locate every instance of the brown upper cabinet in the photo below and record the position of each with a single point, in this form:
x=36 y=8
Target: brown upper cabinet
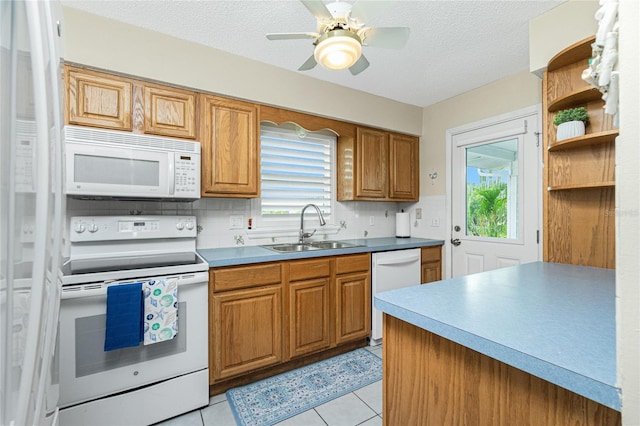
x=109 y=101
x=372 y=164
x=378 y=166
x=230 y=148
x=404 y=179
x=98 y=100
x=169 y=111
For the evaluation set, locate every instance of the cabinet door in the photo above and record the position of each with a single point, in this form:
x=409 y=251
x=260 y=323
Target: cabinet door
x=308 y=316
x=371 y=163
x=98 y=100
x=230 y=148
x=431 y=259
x=431 y=272
x=404 y=160
x=246 y=330
x=353 y=307
x=169 y=112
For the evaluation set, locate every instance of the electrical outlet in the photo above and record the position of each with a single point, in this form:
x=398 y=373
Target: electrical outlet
x=372 y=220
x=435 y=221
x=236 y=221
x=419 y=213
x=27 y=234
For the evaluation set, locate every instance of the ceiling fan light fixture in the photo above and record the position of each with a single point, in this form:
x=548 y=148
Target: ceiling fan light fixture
x=338 y=49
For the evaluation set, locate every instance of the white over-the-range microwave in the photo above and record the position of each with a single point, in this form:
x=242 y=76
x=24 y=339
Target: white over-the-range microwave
x=121 y=165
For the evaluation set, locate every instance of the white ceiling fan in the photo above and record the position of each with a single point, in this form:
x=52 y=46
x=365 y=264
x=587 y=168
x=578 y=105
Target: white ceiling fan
x=342 y=31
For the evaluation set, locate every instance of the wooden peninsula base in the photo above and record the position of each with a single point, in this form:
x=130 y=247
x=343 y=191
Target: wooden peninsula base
x=430 y=380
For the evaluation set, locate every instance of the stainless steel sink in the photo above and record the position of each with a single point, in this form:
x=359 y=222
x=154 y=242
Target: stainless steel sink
x=310 y=246
x=327 y=245
x=290 y=247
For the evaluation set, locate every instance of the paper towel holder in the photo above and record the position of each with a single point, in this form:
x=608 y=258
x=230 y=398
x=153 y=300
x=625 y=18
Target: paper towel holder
x=403 y=225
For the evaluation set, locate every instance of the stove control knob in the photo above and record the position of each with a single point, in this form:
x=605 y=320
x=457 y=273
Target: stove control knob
x=79 y=228
x=189 y=226
x=179 y=226
x=93 y=228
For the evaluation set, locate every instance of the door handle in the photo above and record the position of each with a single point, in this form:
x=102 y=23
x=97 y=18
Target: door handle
x=456 y=242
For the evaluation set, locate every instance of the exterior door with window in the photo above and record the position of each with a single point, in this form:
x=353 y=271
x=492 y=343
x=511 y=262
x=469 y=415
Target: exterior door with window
x=495 y=197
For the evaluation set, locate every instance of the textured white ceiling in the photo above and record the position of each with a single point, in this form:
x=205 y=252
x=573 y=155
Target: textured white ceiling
x=454 y=46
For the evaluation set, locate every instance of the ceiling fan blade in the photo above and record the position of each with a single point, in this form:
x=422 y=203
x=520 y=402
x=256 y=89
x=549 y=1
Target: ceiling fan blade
x=363 y=12
x=309 y=64
x=389 y=37
x=360 y=65
x=318 y=9
x=291 y=36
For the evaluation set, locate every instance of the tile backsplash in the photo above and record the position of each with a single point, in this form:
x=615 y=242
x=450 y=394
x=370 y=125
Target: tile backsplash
x=351 y=219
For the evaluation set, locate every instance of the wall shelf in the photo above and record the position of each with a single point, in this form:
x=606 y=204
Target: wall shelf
x=579 y=173
x=576 y=97
x=607 y=184
x=571 y=54
x=606 y=136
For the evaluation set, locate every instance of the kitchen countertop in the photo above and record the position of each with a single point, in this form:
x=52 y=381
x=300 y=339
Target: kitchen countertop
x=553 y=321
x=229 y=256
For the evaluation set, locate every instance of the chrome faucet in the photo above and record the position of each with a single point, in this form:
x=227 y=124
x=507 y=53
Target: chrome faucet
x=303 y=234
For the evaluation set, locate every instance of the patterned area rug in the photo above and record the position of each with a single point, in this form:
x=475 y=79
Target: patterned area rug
x=277 y=398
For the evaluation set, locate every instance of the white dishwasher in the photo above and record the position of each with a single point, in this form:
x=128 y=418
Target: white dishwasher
x=391 y=270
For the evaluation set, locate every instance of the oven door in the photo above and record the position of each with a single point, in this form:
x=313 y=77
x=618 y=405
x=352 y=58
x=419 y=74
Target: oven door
x=88 y=372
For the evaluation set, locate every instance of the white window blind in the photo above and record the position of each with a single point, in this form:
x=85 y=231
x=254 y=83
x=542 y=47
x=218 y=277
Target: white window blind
x=296 y=171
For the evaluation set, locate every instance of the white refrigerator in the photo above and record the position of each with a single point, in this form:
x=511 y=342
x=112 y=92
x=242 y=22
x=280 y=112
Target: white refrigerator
x=31 y=209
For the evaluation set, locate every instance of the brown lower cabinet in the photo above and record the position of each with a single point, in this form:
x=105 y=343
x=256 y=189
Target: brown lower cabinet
x=431 y=264
x=430 y=380
x=353 y=298
x=245 y=319
x=309 y=305
x=248 y=330
x=266 y=317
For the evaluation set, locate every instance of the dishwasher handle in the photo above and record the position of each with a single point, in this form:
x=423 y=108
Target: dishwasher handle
x=398 y=261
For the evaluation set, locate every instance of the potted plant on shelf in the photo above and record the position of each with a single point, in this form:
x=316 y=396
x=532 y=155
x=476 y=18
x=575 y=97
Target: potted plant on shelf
x=571 y=123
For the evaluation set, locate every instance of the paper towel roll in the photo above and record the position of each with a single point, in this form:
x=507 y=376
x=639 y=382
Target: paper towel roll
x=403 y=225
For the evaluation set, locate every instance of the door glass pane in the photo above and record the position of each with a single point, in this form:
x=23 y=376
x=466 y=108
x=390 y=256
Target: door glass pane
x=492 y=189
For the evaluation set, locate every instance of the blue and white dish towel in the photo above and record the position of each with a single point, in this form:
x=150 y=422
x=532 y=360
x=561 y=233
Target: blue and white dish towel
x=160 y=310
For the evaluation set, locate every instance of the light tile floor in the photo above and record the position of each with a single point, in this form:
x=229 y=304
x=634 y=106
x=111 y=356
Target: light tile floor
x=361 y=407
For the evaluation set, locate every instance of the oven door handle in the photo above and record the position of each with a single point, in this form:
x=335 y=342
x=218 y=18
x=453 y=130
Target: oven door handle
x=94 y=290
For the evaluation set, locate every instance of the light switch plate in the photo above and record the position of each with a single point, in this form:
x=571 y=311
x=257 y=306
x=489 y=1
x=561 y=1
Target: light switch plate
x=418 y=213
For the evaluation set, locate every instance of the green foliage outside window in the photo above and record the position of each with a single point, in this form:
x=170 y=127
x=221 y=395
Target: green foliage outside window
x=487 y=209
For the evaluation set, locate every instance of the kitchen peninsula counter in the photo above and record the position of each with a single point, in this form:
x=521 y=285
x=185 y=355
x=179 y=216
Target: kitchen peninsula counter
x=530 y=344
x=231 y=256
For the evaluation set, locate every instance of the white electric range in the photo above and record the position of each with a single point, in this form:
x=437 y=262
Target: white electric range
x=141 y=384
